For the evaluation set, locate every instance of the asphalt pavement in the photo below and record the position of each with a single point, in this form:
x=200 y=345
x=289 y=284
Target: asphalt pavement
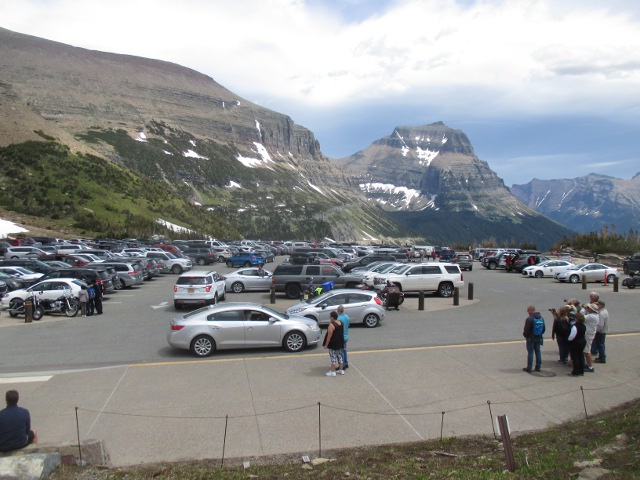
x=448 y=370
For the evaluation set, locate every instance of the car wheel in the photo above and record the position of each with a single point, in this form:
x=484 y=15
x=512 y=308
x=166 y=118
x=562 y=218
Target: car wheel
x=492 y=265
x=201 y=261
x=221 y=259
x=15 y=304
x=203 y=346
x=122 y=284
x=14 y=258
x=247 y=264
x=631 y=285
x=294 y=341
x=293 y=290
x=470 y=268
x=229 y=264
x=445 y=289
x=237 y=287
x=611 y=278
x=176 y=305
x=538 y=274
x=371 y=320
x=574 y=279
x=177 y=269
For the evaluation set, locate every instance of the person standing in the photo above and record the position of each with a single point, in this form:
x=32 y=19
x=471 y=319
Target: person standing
x=560 y=332
x=91 y=304
x=577 y=342
x=591 y=319
x=334 y=342
x=601 y=333
x=15 y=425
x=83 y=298
x=533 y=332
x=346 y=321
x=97 y=301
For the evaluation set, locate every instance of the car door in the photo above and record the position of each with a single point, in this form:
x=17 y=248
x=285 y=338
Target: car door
x=356 y=306
x=595 y=272
x=219 y=284
x=259 y=331
x=50 y=290
x=324 y=308
x=227 y=328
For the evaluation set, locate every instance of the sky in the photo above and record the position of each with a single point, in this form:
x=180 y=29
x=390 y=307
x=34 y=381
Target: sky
x=543 y=89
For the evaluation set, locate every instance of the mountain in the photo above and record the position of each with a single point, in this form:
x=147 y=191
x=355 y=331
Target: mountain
x=429 y=179
x=585 y=204
x=246 y=169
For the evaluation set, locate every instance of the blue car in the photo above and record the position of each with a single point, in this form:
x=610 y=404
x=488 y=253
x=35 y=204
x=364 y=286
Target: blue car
x=245 y=259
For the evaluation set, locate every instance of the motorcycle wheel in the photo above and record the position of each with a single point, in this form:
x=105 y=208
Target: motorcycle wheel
x=72 y=311
x=38 y=313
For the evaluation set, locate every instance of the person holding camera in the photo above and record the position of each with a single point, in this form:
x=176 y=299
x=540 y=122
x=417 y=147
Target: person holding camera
x=560 y=332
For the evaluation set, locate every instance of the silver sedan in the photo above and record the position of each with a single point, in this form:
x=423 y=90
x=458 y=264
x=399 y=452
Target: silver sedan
x=594 y=272
x=362 y=306
x=240 y=325
x=248 y=279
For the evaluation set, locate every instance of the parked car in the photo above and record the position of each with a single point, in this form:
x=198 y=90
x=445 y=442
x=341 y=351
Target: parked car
x=21 y=273
x=293 y=279
x=23 y=252
x=12 y=283
x=464 y=261
x=366 y=260
x=362 y=306
x=171 y=263
x=48 y=290
x=128 y=275
x=240 y=325
x=546 y=269
x=524 y=260
x=88 y=275
x=245 y=259
x=246 y=279
x=201 y=255
x=198 y=287
x=28 y=263
x=441 y=278
x=594 y=272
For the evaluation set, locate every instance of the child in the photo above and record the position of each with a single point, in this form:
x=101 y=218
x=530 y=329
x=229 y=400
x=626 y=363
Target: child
x=83 y=298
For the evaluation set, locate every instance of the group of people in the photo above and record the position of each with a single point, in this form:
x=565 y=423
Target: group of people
x=580 y=332
x=335 y=340
x=90 y=298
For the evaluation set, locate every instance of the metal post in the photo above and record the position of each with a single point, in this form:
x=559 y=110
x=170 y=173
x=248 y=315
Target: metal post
x=503 y=423
x=470 y=291
x=224 y=440
x=78 y=434
x=421 y=300
x=615 y=285
x=272 y=292
x=319 y=433
x=456 y=296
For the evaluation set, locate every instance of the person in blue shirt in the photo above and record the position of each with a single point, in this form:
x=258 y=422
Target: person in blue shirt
x=15 y=425
x=344 y=318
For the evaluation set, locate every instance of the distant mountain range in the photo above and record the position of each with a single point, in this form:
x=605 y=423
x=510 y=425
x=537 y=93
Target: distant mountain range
x=188 y=151
x=586 y=203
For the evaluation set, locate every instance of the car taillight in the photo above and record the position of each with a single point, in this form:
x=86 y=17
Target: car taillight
x=273 y=280
x=175 y=328
x=175 y=288
x=135 y=272
x=207 y=288
x=377 y=300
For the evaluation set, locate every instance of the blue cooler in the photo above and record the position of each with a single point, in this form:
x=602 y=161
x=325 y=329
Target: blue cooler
x=326 y=286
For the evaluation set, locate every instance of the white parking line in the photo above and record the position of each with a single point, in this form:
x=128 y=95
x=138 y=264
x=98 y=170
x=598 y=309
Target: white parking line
x=25 y=379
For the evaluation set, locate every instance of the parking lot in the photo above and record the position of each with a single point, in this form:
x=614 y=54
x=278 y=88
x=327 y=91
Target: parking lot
x=441 y=358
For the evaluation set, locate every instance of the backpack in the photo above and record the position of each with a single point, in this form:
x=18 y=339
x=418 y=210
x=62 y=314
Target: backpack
x=538 y=326
x=92 y=292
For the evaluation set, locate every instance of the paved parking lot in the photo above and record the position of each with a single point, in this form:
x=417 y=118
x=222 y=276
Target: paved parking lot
x=151 y=403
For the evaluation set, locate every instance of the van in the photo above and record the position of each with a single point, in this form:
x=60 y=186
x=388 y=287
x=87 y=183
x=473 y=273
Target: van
x=416 y=249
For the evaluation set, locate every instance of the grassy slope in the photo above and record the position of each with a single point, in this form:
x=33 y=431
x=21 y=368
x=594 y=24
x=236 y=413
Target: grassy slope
x=548 y=454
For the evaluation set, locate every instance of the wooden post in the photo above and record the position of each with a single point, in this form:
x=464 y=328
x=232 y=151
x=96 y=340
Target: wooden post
x=584 y=282
x=615 y=285
x=272 y=293
x=503 y=425
x=470 y=291
x=421 y=300
x=456 y=296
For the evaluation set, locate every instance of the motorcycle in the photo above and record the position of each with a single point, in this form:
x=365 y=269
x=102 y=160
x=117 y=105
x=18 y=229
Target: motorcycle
x=632 y=280
x=311 y=291
x=66 y=304
x=382 y=294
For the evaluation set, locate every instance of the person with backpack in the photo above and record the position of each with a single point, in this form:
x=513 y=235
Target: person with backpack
x=533 y=331
x=97 y=301
x=91 y=304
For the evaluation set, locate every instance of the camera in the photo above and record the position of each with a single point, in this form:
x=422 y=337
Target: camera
x=554 y=312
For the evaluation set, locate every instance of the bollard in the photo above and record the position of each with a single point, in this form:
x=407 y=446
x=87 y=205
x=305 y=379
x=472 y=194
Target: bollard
x=421 y=300
x=28 y=309
x=272 y=293
x=615 y=284
x=584 y=282
x=470 y=291
x=456 y=296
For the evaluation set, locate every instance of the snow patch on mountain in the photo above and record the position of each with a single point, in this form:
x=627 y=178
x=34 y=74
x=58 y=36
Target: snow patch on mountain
x=192 y=154
x=141 y=137
x=233 y=184
x=173 y=226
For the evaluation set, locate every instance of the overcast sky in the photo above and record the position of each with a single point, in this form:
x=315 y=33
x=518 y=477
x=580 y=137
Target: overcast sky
x=544 y=89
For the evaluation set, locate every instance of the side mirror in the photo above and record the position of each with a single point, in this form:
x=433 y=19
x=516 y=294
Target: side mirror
x=272 y=320
x=323 y=306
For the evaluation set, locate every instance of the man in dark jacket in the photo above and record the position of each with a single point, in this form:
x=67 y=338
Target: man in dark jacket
x=15 y=425
x=533 y=334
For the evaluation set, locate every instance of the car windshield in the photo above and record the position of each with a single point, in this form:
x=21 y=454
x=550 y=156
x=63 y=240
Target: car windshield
x=23 y=271
x=400 y=269
x=170 y=255
x=79 y=283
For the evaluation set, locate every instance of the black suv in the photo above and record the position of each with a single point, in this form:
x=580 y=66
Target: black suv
x=367 y=259
x=201 y=255
x=293 y=279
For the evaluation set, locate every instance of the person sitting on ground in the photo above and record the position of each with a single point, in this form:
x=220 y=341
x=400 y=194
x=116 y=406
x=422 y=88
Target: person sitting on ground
x=15 y=425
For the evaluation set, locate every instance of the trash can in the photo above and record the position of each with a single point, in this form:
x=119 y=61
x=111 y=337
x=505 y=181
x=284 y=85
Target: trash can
x=393 y=297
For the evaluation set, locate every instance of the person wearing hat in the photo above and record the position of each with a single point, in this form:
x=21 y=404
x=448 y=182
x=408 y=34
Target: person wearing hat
x=601 y=333
x=591 y=319
x=577 y=342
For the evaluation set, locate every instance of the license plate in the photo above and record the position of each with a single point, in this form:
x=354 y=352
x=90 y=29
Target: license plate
x=190 y=290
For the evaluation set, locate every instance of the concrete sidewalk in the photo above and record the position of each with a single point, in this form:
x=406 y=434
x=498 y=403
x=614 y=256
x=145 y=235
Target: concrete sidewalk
x=174 y=411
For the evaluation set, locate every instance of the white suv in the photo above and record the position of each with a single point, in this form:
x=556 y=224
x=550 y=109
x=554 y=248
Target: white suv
x=429 y=277
x=198 y=287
